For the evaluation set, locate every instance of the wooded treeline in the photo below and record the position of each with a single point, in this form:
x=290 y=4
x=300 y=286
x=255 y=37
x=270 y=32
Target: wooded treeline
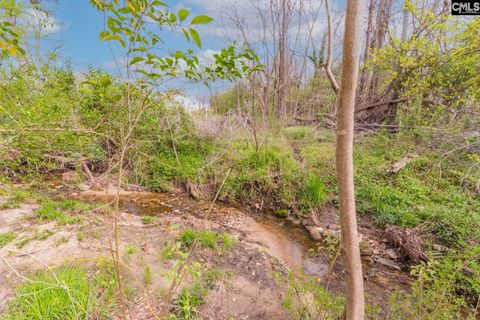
x=415 y=57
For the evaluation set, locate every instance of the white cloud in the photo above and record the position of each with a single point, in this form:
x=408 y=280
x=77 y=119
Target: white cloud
x=38 y=19
x=190 y=103
x=206 y=57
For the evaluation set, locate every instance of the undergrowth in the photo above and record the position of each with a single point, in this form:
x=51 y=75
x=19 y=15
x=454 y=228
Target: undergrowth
x=68 y=292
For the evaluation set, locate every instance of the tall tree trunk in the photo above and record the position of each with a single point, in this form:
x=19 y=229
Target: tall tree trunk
x=354 y=308
x=366 y=74
x=406 y=16
x=282 y=61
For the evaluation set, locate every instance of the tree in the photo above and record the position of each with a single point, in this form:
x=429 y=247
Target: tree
x=354 y=309
x=131 y=25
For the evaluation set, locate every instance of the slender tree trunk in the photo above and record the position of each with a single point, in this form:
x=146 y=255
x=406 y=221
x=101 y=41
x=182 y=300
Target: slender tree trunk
x=282 y=40
x=366 y=74
x=328 y=65
x=354 y=308
x=406 y=16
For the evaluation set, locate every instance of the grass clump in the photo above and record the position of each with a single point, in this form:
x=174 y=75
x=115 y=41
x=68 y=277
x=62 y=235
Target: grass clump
x=188 y=237
x=192 y=297
x=17 y=197
x=71 y=297
x=148 y=219
x=147 y=275
x=6 y=238
x=297 y=133
x=130 y=250
x=314 y=192
x=227 y=241
x=65 y=211
x=206 y=239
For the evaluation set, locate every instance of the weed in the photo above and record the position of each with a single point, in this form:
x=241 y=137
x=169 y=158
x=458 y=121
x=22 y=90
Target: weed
x=188 y=303
x=172 y=250
x=6 y=238
x=187 y=237
x=61 y=240
x=208 y=239
x=314 y=193
x=147 y=275
x=148 y=219
x=227 y=241
x=130 y=249
x=306 y=299
x=81 y=236
x=282 y=213
x=16 y=198
x=69 y=297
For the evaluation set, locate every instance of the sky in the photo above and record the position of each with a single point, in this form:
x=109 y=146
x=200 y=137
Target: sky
x=76 y=25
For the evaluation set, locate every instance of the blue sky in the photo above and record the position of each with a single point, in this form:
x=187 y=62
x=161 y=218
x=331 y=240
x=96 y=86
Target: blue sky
x=77 y=25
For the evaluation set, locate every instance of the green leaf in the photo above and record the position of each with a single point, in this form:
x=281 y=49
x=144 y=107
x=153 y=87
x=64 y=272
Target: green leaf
x=196 y=37
x=136 y=60
x=183 y=14
x=109 y=37
x=185 y=33
x=105 y=81
x=201 y=20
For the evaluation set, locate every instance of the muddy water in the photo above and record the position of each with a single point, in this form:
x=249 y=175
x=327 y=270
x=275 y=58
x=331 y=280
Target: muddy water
x=288 y=243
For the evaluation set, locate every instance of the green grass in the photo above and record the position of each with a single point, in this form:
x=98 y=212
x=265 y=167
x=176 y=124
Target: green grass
x=297 y=133
x=71 y=297
x=147 y=275
x=418 y=194
x=6 y=238
x=314 y=192
x=67 y=211
x=148 y=219
x=206 y=239
x=271 y=175
x=187 y=237
x=130 y=250
x=15 y=197
x=227 y=241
